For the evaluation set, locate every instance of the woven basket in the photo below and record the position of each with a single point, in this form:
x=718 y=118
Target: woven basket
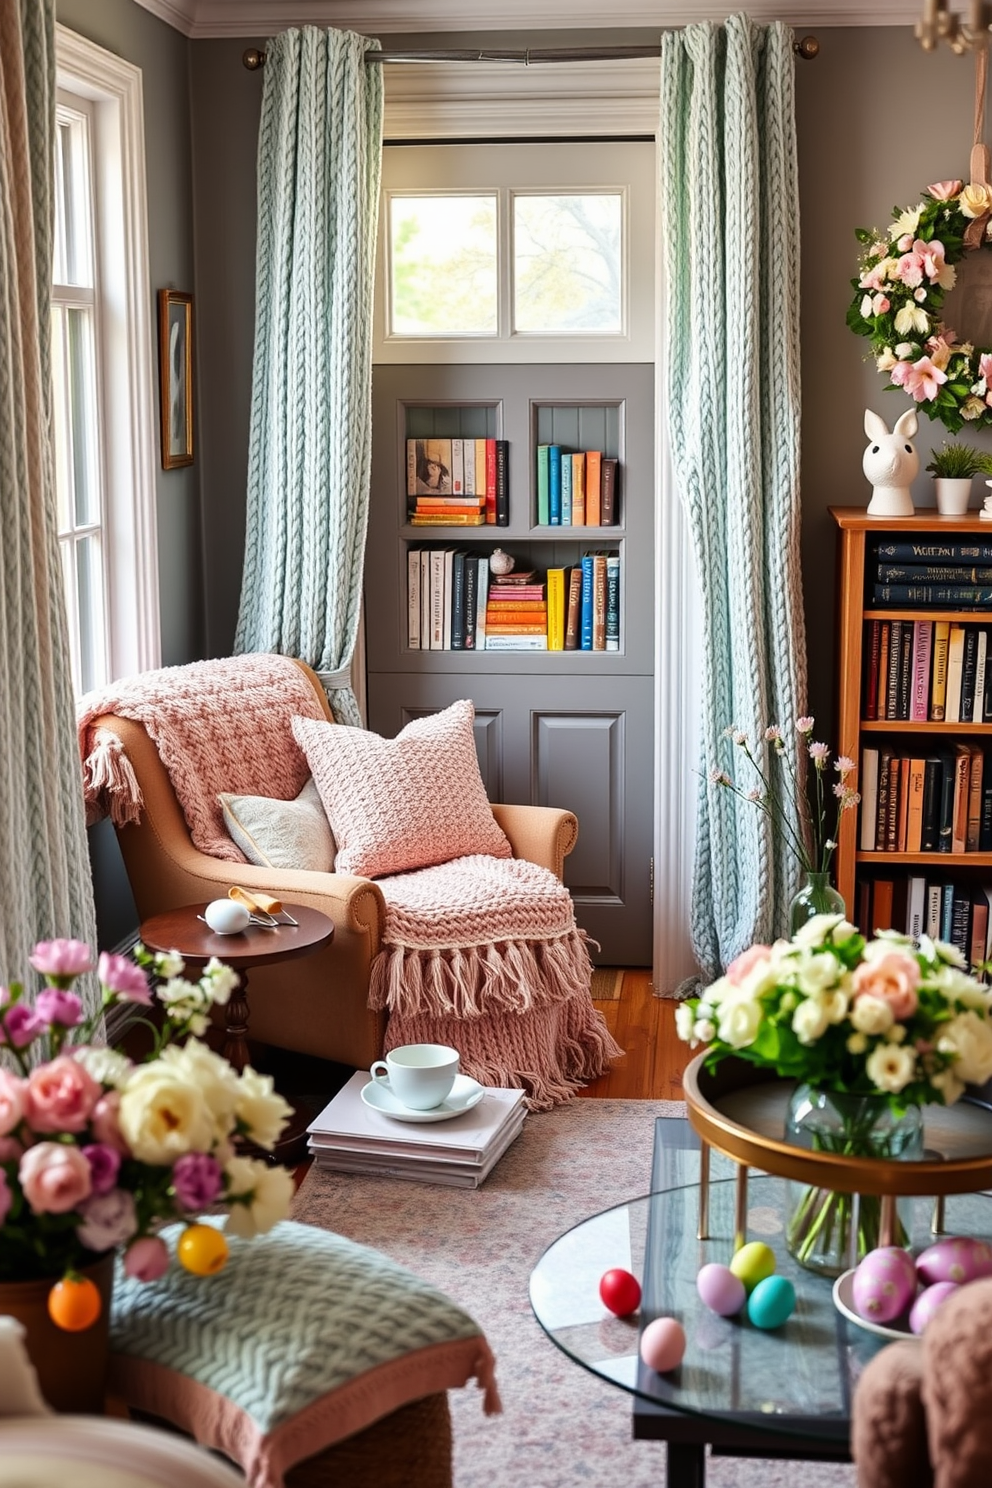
x=409 y=1449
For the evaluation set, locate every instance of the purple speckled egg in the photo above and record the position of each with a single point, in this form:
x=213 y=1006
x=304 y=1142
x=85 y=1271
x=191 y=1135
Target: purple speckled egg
x=722 y=1291
x=956 y=1258
x=884 y=1284
x=927 y=1303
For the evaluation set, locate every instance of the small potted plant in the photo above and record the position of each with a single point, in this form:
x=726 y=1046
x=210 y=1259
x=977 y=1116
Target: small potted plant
x=953 y=468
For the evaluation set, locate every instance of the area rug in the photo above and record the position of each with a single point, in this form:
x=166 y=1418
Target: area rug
x=560 y=1426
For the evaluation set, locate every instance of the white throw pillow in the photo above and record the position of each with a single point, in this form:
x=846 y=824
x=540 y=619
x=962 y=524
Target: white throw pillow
x=281 y=834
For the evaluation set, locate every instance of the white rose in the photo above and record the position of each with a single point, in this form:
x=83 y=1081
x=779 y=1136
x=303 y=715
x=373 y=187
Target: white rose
x=948 y=1084
x=809 y=1021
x=871 y=1015
x=162 y=1115
x=107 y=1066
x=705 y=1031
x=266 y=1193
x=739 y=1023
x=218 y=1081
x=817 y=972
x=969 y=1038
x=816 y=930
x=260 y=1110
x=716 y=991
x=835 y=1005
x=685 y=1019
x=890 y=1067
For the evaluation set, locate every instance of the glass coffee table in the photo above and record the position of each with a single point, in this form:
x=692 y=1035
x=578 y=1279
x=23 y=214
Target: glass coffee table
x=785 y=1393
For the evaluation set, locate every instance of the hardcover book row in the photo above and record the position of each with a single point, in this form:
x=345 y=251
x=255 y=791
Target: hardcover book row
x=457 y=482
x=956 y=912
x=950 y=573
x=939 y=802
x=923 y=671
x=576 y=488
x=454 y=603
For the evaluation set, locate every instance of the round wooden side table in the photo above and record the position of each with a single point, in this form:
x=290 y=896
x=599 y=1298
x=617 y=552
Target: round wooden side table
x=182 y=930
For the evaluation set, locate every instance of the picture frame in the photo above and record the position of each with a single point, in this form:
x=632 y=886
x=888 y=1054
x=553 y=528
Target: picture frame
x=175 y=345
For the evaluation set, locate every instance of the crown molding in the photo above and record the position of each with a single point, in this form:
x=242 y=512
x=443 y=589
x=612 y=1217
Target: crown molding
x=254 y=18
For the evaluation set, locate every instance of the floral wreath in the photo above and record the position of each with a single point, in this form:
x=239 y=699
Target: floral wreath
x=900 y=293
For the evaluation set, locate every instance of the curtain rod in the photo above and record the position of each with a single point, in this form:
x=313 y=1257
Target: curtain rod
x=806 y=47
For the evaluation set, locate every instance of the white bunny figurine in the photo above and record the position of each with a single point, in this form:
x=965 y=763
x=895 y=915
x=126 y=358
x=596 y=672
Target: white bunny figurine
x=890 y=462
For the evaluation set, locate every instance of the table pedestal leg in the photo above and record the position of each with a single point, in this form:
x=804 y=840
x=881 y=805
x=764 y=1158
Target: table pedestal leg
x=740 y=1207
x=888 y=1222
x=235 y=1049
x=686 y=1465
x=703 y=1227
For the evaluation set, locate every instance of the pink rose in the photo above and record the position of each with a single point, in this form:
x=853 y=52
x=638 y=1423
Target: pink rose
x=105 y=1125
x=120 y=976
x=944 y=190
x=742 y=964
x=147 y=1259
x=104 y=1164
x=61 y=1096
x=61 y=959
x=13 y=1101
x=55 y=1177
x=892 y=977
x=197 y=1180
x=108 y=1220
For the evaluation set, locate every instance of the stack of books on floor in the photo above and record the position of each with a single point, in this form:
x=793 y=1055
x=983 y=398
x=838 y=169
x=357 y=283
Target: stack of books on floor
x=349 y=1137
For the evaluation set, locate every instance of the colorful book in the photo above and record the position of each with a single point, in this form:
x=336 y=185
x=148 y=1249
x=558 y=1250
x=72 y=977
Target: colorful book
x=904 y=699
x=922 y=640
x=599 y=602
x=556 y=609
x=449 y=569
x=882 y=702
x=458 y=600
x=480 y=467
x=869 y=797
x=968 y=664
x=481 y=597
x=892 y=677
x=586 y=604
x=458 y=467
x=469 y=463
x=471 y=592
x=938 y=683
x=578 y=490
x=981 y=672
x=566 y=488
x=573 y=608
x=872 y=644
x=516 y=643
x=413 y=599
x=554 y=485
x=437 y=599
x=930 y=550
x=613 y=602
x=491 y=482
x=448 y=519
x=609 y=502
x=502 y=483
x=594 y=476
x=543 y=517
x=930 y=826
x=945 y=829
x=916 y=906
x=932 y=573
x=914 y=792
x=955 y=667
x=974 y=813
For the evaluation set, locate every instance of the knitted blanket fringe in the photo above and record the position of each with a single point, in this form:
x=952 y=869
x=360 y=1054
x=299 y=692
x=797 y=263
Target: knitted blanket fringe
x=473 y=981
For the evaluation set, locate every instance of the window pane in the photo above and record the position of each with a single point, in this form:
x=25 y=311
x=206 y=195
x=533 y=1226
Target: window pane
x=567 y=264
x=60 y=417
x=89 y=595
x=443 y=265
x=73 y=259
x=82 y=413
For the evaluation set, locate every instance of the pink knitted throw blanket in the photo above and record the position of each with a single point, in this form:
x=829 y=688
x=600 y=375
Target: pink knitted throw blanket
x=222 y=725
x=484 y=954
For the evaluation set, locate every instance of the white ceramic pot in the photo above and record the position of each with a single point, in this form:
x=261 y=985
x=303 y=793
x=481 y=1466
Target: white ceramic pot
x=953 y=495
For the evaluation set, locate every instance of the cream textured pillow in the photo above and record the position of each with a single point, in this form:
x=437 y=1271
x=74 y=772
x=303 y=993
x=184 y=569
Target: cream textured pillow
x=408 y=802
x=281 y=834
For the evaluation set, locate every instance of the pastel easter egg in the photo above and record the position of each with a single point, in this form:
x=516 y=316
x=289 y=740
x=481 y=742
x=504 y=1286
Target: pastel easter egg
x=956 y=1258
x=752 y=1263
x=663 y=1344
x=226 y=917
x=772 y=1302
x=722 y=1291
x=928 y=1302
x=620 y=1291
x=884 y=1284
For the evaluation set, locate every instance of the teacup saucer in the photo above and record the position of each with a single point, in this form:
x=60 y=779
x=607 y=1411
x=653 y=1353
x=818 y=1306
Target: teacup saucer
x=464 y=1094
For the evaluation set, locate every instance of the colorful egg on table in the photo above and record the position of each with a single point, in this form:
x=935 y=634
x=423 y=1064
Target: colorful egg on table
x=928 y=1302
x=884 y=1284
x=721 y=1291
x=620 y=1291
x=663 y=1344
x=955 y=1258
x=771 y=1302
x=225 y=917
x=752 y=1263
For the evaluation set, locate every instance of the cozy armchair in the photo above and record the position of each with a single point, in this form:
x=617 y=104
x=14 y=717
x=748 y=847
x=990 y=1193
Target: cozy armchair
x=320 y=1004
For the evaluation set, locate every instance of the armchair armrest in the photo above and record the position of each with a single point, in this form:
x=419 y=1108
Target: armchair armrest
x=541 y=834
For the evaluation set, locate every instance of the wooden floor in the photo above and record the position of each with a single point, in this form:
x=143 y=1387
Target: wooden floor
x=643 y=1025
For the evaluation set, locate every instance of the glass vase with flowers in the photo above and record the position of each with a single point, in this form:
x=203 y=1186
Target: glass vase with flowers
x=869 y=1031
x=98 y=1152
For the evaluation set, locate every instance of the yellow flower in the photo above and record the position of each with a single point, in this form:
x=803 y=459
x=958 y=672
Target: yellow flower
x=267 y=1192
x=975 y=200
x=263 y=1112
x=906 y=222
x=162 y=1115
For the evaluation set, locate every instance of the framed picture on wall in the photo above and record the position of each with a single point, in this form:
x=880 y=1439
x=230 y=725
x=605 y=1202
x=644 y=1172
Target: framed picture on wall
x=175 y=351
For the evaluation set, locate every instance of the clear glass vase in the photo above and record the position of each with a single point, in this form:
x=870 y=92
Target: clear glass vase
x=830 y=1232
x=817 y=896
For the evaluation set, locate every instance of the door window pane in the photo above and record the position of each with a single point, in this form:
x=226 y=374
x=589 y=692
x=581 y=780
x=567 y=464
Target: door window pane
x=567 y=264
x=442 y=254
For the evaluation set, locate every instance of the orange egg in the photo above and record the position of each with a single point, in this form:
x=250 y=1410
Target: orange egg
x=74 y=1304
x=202 y=1249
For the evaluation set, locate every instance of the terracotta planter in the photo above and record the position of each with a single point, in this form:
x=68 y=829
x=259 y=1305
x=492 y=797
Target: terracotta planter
x=71 y=1367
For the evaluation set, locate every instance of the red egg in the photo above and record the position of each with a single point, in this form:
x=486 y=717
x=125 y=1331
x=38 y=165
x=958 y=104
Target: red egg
x=620 y=1291
x=663 y=1344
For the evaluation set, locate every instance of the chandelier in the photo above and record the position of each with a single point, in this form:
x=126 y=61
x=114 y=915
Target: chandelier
x=940 y=24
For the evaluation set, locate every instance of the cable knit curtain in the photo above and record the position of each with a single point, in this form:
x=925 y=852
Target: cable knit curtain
x=45 y=884
x=309 y=459
x=730 y=229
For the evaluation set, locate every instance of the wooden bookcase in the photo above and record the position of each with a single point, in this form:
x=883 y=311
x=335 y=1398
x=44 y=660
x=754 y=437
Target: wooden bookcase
x=854 y=608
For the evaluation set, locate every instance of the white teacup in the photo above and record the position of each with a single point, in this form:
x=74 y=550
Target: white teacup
x=419 y=1075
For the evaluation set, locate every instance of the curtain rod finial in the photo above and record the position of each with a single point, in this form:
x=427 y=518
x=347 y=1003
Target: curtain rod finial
x=807 y=47
x=253 y=58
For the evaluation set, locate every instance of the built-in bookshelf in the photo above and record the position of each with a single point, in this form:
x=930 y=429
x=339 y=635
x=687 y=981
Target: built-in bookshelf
x=915 y=714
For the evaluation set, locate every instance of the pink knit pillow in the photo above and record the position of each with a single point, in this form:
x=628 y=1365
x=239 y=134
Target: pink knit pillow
x=408 y=802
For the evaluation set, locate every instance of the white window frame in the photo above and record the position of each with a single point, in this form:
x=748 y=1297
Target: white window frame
x=125 y=364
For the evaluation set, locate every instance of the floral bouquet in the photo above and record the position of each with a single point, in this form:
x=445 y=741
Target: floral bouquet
x=870 y=1030
x=97 y=1152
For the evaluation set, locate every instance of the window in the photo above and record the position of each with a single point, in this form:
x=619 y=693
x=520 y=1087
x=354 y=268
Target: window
x=102 y=361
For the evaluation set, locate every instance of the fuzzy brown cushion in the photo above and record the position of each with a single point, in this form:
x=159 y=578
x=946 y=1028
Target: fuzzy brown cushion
x=957 y=1388
x=888 y=1425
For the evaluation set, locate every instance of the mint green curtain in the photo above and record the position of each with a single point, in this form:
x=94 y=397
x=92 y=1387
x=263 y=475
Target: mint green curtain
x=309 y=459
x=45 y=884
x=730 y=234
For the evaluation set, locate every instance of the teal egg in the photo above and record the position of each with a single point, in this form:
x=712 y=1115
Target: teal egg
x=772 y=1301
